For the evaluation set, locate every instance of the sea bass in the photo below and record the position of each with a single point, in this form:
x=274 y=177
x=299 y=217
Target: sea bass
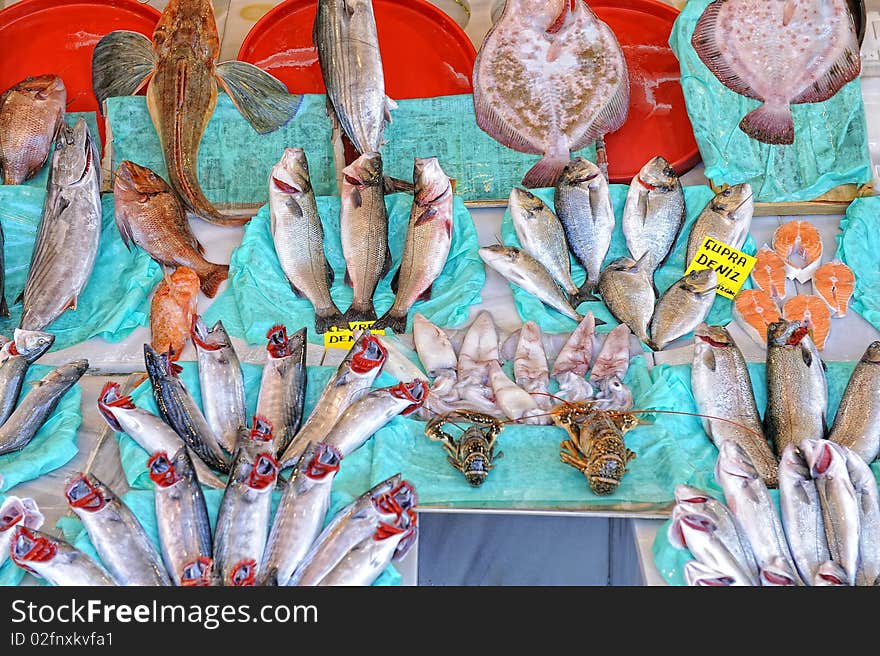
x=173 y=310
x=628 y=292
x=180 y=70
x=16 y=357
x=727 y=218
x=857 y=423
x=283 y=385
x=683 y=307
x=57 y=561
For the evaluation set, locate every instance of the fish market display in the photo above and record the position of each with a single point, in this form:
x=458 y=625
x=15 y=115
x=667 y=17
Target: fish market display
x=149 y=214
x=573 y=362
x=428 y=240
x=173 y=310
x=797 y=393
x=654 y=213
x=865 y=487
x=779 y=52
x=473 y=452
x=723 y=393
x=57 y=561
x=628 y=292
x=351 y=65
x=683 y=307
x=180 y=70
x=117 y=535
x=755 y=310
x=298 y=237
x=16 y=512
x=813 y=313
x=695 y=530
x=530 y=369
x=550 y=78
x=727 y=218
x=31 y=112
x=16 y=357
x=834 y=283
x=799 y=244
x=769 y=273
x=38 y=404
x=283 y=385
x=857 y=423
x=70 y=229
x=583 y=204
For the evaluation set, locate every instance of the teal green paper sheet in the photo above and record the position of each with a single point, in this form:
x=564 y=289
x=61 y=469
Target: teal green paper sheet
x=696 y=199
x=115 y=300
x=234 y=161
x=831 y=140
x=858 y=246
x=40 y=179
x=54 y=444
x=263 y=297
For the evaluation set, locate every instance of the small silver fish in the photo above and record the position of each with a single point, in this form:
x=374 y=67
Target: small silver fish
x=628 y=292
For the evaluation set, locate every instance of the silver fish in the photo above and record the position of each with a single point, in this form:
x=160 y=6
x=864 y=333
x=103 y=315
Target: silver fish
x=697 y=574
x=573 y=362
x=857 y=424
x=628 y=292
x=57 y=561
x=530 y=370
x=865 y=486
x=16 y=512
x=70 y=229
x=778 y=574
x=683 y=307
x=727 y=218
x=117 y=535
x=283 y=385
x=700 y=534
x=16 y=357
x=831 y=574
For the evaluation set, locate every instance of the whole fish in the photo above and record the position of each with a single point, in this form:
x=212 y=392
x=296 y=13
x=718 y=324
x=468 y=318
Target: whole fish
x=283 y=385
x=573 y=362
x=654 y=212
x=628 y=292
x=173 y=310
x=57 y=561
x=697 y=574
x=722 y=389
x=300 y=514
x=857 y=423
x=727 y=218
x=180 y=70
x=523 y=270
x=363 y=418
x=352 y=380
x=30 y=114
x=298 y=237
x=583 y=204
x=70 y=229
x=530 y=370
x=16 y=357
x=351 y=65
x=38 y=404
x=550 y=78
x=797 y=394
x=16 y=512
x=865 y=486
x=117 y=535
x=182 y=519
x=700 y=535
x=179 y=410
x=363 y=225
x=613 y=358
x=221 y=382
x=428 y=240
x=479 y=349
x=802 y=514
x=752 y=47
x=516 y=404
x=149 y=214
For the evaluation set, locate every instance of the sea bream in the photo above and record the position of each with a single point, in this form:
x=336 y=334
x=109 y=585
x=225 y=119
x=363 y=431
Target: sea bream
x=16 y=357
x=283 y=385
x=727 y=218
x=550 y=78
x=779 y=52
x=180 y=71
x=627 y=290
x=682 y=307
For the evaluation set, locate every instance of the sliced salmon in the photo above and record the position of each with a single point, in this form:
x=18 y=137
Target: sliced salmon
x=835 y=283
x=799 y=244
x=769 y=272
x=754 y=310
x=813 y=312
x=172 y=310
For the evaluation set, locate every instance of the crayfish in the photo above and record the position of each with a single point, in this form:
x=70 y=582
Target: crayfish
x=473 y=453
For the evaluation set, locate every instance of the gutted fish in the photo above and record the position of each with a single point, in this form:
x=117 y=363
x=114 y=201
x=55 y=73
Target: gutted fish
x=56 y=561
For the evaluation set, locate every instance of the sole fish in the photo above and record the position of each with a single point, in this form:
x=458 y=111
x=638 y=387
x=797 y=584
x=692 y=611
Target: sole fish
x=683 y=307
x=727 y=218
x=857 y=423
x=628 y=292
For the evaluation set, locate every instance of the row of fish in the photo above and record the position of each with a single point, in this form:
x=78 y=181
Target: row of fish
x=826 y=530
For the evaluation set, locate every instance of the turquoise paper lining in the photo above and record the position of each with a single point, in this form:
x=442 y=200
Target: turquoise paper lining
x=858 y=246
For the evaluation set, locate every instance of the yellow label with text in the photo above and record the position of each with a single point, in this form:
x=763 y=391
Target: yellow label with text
x=731 y=265
x=344 y=339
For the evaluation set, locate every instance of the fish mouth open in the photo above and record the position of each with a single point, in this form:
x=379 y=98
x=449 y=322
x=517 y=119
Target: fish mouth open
x=82 y=494
x=197 y=572
x=264 y=472
x=279 y=344
x=324 y=462
x=161 y=470
x=28 y=548
x=244 y=574
x=110 y=398
x=200 y=335
x=872 y=354
x=262 y=429
x=715 y=336
x=365 y=171
x=415 y=391
x=11 y=516
x=786 y=333
x=370 y=355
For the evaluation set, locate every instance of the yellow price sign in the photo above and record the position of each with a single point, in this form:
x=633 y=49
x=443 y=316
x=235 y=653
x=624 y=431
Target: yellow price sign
x=344 y=339
x=731 y=265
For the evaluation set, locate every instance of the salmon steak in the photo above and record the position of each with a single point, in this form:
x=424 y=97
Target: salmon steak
x=813 y=313
x=172 y=310
x=834 y=283
x=754 y=310
x=769 y=273
x=781 y=53
x=799 y=244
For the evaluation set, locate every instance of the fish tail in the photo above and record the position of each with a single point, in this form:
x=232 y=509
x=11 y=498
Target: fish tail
x=210 y=282
x=4 y=307
x=771 y=124
x=358 y=314
x=325 y=322
x=584 y=294
x=545 y=173
x=395 y=323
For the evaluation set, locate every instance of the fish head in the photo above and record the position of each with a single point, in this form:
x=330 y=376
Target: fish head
x=15 y=511
x=75 y=154
x=85 y=492
x=261 y=430
x=704 y=281
x=432 y=185
x=734 y=462
x=872 y=354
x=264 y=473
x=409 y=521
x=243 y=574
x=658 y=174
x=786 y=333
x=380 y=489
x=396 y=501
x=692 y=495
x=44 y=88
x=365 y=171
x=209 y=340
x=110 y=401
x=187 y=28
x=321 y=460
x=793 y=465
x=198 y=572
x=415 y=391
x=162 y=470
x=735 y=203
x=697 y=574
x=291 y=174
x=524 y=204
x=499 y=256
x=31 y=546
x=824 y=458
x=714 y=336
x=830 y=573
x=278 y=345
x=31 y=344
x=133 y=181
x=581 y=171
x=778 y=573
x=367 y=354
x=159 y=365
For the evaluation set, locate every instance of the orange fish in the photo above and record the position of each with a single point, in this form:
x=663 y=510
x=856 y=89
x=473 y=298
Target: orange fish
x=800 y=245
x=172 y=311
x=835 y=283
x=755 y=310
x=813 y=312
x=769 y=272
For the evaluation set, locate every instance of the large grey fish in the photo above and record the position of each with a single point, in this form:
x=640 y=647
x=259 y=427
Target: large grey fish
x=583 y=204
x=283 y=385
x=428 y=240
x=865 y=486
x=797 y=394
x=722 y=389
x=70 y=229
x=298 y=237
x=182 y=519
x=802 y=514
x=525 y=271
x=16 y=357
x=117 y=535
x=16 y=512
x=351 y=65
x=857 y=423
x=57 y=561
x=38 y=404
x=683 y=307
x=352 y=380
x=300 y=514
x=363 y=226
x=627 y=290
x=726 y=218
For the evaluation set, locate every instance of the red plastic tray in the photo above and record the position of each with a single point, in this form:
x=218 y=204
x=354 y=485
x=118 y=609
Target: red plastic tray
x=424 y=52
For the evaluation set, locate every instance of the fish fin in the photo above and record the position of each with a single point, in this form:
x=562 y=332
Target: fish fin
x=610 y=119
x=331 y=274
x=395 y=323
x=396 y=185
x=583 y=295
x=353 y=315
x=844 y=70
x=124 y=228
x=296 y=290
x=426 y=295
x=705 y=42
x=4 y=308
x=325 y=323
x=262 y=99
x=395 y=281
x=769 y=124
x=122 y=63
x=347 y=279
x=389 y=106
x=211 y=282
x=386 y=267
x=545 y=173
x=497 y=127
x=806 y=354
